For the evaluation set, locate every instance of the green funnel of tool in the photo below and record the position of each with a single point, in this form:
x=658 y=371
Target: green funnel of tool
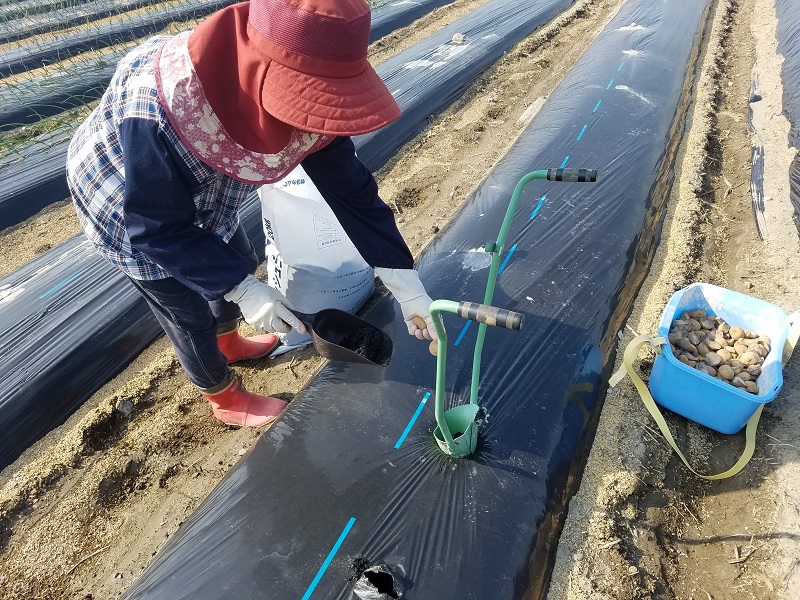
x=456 y=431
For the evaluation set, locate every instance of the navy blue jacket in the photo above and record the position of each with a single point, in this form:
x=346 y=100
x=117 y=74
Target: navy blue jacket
x=159 y=211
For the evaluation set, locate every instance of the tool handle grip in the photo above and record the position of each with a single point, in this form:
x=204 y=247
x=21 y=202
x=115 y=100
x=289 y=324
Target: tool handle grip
x=305 y=318
x=491 y=315
x=578 y=175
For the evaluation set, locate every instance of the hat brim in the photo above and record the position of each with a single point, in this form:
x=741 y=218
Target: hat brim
x=328 y=105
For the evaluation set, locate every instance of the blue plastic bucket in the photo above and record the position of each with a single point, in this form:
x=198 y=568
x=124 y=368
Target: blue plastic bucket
x=700 y=397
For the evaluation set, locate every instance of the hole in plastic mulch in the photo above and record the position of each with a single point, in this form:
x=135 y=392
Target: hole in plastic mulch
x=377 y=583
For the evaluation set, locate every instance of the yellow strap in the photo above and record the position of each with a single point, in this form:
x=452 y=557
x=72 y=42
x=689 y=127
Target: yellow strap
x=631 y=352
x=794 y=334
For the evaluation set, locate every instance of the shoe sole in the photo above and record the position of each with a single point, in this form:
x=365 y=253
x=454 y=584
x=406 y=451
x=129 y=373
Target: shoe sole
x=239 y=425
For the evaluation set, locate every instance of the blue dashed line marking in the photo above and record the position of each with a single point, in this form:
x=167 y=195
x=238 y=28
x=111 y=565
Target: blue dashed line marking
x=510 y=252
x=538 y=206
x=328 y=560
x=462 y=334
x=63 y=283
x=508 y=257
x=413 y=419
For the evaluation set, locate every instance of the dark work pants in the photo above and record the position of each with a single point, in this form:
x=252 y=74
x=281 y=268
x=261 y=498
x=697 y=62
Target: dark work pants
x=191 y=322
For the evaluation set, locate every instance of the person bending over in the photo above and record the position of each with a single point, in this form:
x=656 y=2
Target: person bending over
x=189 y=126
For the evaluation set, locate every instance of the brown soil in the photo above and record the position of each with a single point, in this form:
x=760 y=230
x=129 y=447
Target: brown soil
x=84 y=511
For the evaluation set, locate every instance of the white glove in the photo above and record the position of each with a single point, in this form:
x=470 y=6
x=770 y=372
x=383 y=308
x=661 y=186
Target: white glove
x=264 y=307
x=407 y=289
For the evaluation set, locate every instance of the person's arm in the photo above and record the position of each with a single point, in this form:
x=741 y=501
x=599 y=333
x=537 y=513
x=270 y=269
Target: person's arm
x=159 y=215
x=352 y=193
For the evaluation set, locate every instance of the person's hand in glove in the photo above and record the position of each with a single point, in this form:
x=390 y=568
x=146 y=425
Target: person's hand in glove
x=407 y=289
x=264 y=307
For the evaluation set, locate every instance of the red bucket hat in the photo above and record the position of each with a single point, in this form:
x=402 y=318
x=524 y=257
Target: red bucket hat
x=267 y=66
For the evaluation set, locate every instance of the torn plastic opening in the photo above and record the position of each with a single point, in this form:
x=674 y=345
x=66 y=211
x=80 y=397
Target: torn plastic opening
x=377 y=583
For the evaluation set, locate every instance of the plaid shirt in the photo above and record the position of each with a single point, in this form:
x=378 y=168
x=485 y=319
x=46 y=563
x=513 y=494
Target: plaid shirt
x=96 y=171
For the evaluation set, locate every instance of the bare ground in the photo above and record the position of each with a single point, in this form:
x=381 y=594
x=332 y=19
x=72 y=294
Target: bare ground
x=85 y=510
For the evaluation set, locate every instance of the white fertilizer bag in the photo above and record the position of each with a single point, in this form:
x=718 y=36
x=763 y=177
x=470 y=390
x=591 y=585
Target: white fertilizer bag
x=309 y=257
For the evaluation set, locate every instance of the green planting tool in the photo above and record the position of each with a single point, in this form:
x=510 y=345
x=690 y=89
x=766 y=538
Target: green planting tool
x=456 y=431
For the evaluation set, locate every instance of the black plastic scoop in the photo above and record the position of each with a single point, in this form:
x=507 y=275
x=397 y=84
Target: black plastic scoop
x=338 y=335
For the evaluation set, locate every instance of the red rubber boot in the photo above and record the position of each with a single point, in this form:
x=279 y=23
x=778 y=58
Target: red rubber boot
x=236 y=348
x=234 y=405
